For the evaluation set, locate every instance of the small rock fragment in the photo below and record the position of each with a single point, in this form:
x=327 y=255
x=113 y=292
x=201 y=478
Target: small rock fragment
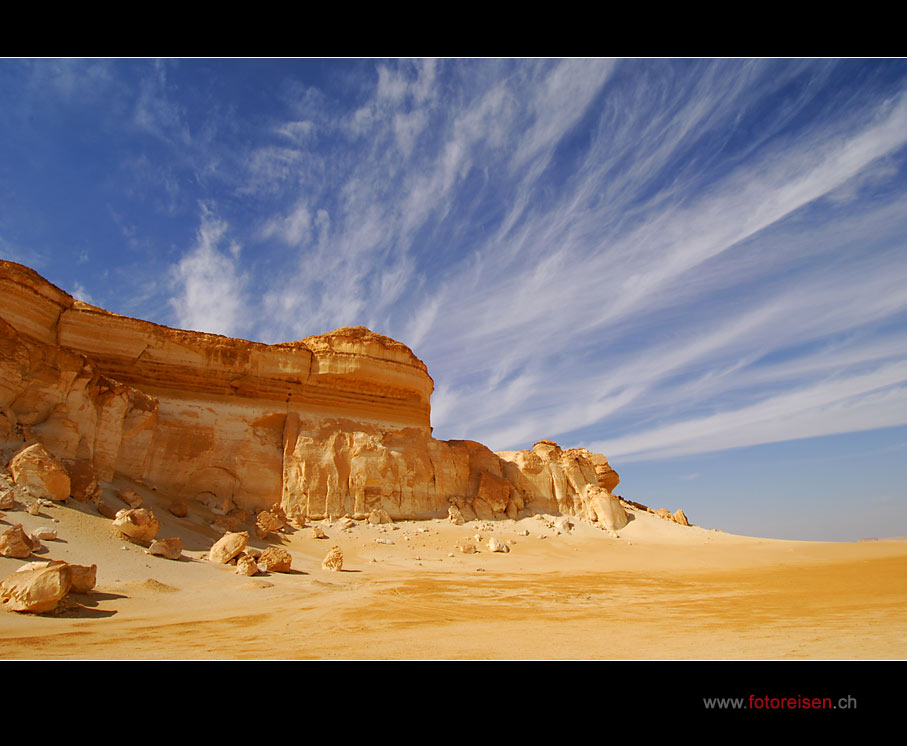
x=84 y=578
x=455 y=516
x=496 y=545
x=14 y=542
x=225 y=524
x=563 y=524
x=168 y=548
x=267 y=522
x=379 y=515
x=129 y=496
x=138 y=524
x=246 y=565
x=44 y=533
x=179 y=507
x=333 y=560
x=275 y=559
x=106 y=510
x=228 y=547
x=318 y=533
x=240 y=514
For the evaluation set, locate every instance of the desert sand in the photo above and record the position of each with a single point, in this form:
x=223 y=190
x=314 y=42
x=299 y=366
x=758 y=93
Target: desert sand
x=657 y=591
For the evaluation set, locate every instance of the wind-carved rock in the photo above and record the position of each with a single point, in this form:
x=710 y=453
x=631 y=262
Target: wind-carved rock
x=333 y=560
x=336 y=424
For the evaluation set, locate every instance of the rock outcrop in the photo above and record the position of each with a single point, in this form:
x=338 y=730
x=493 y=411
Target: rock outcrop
x=332 y=425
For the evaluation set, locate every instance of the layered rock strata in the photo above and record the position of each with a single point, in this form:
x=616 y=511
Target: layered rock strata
x=331 y=425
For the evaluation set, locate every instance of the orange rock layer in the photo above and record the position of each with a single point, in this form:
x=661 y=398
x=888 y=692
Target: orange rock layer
x=335 y=424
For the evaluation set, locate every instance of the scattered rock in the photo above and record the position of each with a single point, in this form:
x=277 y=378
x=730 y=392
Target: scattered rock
x=228 y=547
x=333 y=560
x=496 y=545
x=378 y=516
x=179 y=507
x=241 y=515
x=246 y=565
x=84 y=578
x=105 y=509
x=455 y=516
x=275 y=559
x=44 y=533
x=129 y=496
x=37 y=587
x=7 y=500
x=14 y=542
x=318 y=533
x=680 y=517
x=266 y=523
x=168 y=548
x=138 y=524
x=346 y=523
x=384 y=541
x=33 y=507
x=225 y=524
x=37 y=470
x=467 y=548
x=563 y=524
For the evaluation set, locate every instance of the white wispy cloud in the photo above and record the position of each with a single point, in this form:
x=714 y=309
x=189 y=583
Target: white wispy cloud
x=209 y=288
x=673 y=254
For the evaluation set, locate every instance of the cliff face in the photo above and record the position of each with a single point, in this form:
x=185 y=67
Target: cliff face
x=335 y=424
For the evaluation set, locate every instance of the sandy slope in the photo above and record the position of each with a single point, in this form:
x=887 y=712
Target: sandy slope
x=659 y=591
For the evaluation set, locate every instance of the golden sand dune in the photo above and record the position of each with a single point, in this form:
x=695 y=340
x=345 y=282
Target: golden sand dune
x=659 y=591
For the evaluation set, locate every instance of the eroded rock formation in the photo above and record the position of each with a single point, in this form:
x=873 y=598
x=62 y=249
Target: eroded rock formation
x=332 y=425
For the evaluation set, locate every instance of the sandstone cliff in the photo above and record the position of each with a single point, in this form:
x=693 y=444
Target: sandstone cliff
x=335 y=424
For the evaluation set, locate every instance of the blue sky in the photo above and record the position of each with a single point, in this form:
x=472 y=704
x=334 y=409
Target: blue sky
x=696 y=267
